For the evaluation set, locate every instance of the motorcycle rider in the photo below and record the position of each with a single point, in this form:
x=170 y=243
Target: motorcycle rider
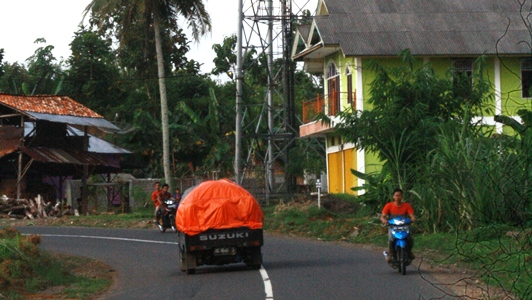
x=162 y=196
x=154 y=195
x=393 y=209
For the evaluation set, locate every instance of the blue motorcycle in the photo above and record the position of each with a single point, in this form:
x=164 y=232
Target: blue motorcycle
x=399 y=231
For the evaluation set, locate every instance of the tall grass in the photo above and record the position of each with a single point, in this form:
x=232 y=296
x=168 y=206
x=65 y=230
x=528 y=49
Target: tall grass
x=477 y=188
x=472 y=181
x=24 y=269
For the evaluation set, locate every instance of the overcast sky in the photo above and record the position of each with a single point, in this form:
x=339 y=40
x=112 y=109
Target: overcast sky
x=24 y=21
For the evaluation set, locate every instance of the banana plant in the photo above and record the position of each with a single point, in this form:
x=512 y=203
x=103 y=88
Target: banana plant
x=204 y=139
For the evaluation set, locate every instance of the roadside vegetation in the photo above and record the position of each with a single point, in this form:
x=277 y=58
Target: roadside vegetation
x=498 y=257
x=29 y=273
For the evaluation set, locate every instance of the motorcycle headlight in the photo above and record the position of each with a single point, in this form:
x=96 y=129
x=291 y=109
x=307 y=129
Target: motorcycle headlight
x=400 y=230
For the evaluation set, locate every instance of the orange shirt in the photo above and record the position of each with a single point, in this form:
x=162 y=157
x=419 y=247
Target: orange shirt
x=154 y=197
x=392 y=209
x=162 y=196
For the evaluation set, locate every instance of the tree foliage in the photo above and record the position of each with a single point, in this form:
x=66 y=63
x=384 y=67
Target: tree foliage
x=160 y=19
x=15 y=75
x=93 y=76
x=225 y=60
x=42 y=75
x=45 y=75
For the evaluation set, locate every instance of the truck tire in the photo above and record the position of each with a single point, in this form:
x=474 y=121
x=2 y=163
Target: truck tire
x=189 y=263
x=182 y=261
x=255 y=258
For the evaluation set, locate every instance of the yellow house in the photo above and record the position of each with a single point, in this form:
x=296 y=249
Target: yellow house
x=345 y=35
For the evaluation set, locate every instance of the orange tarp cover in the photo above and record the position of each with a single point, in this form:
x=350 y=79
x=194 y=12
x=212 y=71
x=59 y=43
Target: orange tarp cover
x=218 y=204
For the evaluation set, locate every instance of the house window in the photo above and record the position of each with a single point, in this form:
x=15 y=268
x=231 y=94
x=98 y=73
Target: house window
x=526 y=77
x=335 y=140
x=333 y=93
x=463 y=68
x=349 y=85
x=463 y=76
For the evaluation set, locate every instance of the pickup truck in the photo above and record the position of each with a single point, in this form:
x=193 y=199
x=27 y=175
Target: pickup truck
x=219 y=247
x=219 y=223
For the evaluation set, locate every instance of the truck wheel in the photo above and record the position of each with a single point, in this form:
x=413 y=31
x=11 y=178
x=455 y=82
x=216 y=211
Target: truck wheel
x=255 y=258
x=182 y=261
x=190 y=263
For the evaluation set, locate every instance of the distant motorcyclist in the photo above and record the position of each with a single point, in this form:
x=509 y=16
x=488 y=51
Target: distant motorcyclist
x=154 y=195
x=398 y=208
x=162 y=196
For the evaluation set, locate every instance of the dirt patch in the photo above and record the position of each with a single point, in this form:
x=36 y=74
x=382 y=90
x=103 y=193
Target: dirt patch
x=462 y=282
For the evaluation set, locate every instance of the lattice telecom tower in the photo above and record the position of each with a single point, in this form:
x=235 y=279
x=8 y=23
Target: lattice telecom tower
x=267 y=27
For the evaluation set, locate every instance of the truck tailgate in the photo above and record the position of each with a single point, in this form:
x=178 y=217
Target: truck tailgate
x=212 y=238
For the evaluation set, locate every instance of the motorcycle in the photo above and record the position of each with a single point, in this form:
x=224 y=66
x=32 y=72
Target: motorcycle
x=167 y=215
x=400 y=230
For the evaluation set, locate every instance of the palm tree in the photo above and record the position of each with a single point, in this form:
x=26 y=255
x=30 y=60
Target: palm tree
x=155 y=13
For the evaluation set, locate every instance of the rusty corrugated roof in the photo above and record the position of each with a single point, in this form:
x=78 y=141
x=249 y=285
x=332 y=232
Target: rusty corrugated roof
x=48 y=104
x=61 y=109
x=61 y=156
x=96 y=144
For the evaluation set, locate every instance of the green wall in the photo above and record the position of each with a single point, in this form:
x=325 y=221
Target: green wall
x=509 y=79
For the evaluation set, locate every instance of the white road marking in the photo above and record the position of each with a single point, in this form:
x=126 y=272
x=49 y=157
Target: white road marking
x=107 y=238
x=265 y=278
x=267 y=283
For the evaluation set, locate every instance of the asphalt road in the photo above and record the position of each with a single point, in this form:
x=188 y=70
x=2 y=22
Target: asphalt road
x=147 y=267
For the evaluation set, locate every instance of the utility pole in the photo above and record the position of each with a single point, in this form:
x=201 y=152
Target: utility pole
x=239 y=83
